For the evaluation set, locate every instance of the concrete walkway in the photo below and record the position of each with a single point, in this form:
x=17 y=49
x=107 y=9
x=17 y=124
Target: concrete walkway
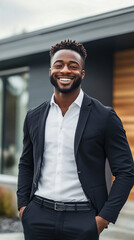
x=11 y=236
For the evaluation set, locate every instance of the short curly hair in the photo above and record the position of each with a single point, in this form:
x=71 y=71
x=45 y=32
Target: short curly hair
x=69 y=44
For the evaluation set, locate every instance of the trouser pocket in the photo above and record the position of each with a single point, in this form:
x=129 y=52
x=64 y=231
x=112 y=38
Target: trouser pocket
x=26 y=210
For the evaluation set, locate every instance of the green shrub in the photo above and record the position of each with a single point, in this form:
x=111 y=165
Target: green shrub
x=8 y=204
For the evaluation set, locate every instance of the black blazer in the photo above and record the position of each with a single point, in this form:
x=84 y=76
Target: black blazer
x=99 y=135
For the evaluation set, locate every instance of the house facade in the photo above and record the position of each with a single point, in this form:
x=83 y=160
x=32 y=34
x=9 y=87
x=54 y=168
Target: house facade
x=24 y=76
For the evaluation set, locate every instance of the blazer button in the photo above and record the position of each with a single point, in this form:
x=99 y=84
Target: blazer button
x=79 y=172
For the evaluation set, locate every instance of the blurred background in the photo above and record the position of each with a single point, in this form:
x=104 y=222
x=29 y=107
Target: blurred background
x=27 y=31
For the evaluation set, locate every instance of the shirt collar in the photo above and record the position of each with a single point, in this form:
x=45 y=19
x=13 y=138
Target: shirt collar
x=52 y=100
x=78 y=100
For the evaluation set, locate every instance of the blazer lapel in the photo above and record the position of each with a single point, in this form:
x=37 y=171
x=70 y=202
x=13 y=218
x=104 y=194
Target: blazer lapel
x=84 y=113
x=42 y=121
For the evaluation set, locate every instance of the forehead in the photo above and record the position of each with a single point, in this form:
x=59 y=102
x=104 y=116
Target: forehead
x=67 y=55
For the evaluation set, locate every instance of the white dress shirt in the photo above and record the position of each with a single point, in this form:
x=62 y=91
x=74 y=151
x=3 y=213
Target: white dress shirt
x=59 y=178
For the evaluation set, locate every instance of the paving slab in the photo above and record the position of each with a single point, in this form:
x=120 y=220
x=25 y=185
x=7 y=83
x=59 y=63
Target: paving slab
x=11 y=236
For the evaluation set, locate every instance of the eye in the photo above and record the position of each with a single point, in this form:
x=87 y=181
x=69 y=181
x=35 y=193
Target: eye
x=73 y=67
x=58 y=65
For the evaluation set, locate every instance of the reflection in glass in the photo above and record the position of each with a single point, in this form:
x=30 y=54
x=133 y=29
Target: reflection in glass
x=1 y=104
x=15 y=111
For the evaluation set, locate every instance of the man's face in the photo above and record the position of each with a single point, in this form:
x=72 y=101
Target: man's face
x=66 y=72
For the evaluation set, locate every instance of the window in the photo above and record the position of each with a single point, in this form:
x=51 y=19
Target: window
x=1 y=103
x=15 y=103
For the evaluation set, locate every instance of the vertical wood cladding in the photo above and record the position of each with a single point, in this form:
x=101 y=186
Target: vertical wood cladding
x=123 y=94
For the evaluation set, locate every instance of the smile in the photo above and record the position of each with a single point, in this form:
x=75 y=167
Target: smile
x=65 y=79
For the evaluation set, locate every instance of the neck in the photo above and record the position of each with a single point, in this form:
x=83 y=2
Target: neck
x=64 y=100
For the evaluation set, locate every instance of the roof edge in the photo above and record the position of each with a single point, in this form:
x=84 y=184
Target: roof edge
x=67 y=25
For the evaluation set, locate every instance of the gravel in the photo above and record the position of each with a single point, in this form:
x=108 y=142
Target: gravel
x=9 y=225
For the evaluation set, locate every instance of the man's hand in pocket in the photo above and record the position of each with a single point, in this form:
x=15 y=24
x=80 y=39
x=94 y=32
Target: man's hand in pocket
x=21 y=212
x=101 y=223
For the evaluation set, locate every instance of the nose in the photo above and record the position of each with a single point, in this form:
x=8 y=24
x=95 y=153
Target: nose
x=65 y=69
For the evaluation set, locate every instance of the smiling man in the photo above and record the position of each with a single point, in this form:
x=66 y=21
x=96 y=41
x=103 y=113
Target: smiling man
x=62 y=190
x=66 y=71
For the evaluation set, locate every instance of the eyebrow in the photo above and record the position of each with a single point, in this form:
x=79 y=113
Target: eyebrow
x=63 y=61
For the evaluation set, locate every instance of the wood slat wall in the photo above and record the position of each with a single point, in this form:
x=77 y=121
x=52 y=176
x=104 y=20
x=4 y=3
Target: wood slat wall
x=123 y=94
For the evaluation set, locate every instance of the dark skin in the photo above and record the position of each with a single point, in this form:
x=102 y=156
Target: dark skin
x=66 y=64
x=67 y=73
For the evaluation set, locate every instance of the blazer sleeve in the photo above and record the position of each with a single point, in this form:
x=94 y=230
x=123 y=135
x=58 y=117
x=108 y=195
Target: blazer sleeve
x=121 y=163
x=25 y=176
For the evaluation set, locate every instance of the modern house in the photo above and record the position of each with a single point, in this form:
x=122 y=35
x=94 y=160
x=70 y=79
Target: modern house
x=24 y=78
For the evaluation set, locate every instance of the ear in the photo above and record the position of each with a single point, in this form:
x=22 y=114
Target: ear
x=83 y=73
x=49 y=71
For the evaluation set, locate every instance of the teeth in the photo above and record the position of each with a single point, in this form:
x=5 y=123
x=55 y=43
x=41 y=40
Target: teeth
x=65 y=79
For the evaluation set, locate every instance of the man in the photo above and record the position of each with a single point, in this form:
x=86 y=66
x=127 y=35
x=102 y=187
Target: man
x=62 y=190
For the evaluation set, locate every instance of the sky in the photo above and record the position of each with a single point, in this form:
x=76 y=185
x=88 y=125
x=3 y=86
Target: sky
x=18 y=16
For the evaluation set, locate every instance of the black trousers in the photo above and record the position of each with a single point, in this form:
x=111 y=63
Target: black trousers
x=42 y=223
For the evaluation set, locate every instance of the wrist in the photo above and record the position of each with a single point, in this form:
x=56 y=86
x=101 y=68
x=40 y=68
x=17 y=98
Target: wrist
x=103 y=221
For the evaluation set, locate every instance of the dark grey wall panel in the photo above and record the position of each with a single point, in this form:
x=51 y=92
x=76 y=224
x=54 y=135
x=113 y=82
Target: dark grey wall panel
x=40 y=88
x=99 y=75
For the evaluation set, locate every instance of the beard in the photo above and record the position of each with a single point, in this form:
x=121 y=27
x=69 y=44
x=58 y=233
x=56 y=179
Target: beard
x=73 y=87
